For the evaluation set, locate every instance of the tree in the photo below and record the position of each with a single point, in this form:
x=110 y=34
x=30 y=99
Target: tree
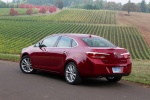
x=29 y=11
x=13 y=12
x=59 y=4
x=129 y=7
x=99 y=4
x=113 y=6
x=148 y=7
x=43 y=9
x=143 y=6
x=2 y=4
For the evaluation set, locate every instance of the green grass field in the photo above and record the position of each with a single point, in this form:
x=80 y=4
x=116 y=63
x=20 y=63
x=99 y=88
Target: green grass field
x=5 y=11
x=140 y=72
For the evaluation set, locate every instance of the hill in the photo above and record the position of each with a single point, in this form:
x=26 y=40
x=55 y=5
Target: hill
x=139 y=20
x=19 y=32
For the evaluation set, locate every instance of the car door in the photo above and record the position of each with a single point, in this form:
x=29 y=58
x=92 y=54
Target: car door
x=40 y=56
x=59 y=53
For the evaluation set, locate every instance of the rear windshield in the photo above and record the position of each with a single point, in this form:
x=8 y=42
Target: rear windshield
x=97 y=42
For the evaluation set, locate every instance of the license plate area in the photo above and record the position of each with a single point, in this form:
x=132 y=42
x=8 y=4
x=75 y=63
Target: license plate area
x=117 y=69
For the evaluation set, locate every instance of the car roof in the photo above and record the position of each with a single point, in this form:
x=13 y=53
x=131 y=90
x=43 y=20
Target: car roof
x=76 y=35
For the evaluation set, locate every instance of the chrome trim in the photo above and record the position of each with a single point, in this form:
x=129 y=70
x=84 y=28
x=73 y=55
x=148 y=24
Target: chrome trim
x=125 y=54
x=58 y=35
x=99 y=53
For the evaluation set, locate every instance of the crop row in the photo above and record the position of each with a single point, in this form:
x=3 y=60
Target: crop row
x=73 y=16
x=15 y=35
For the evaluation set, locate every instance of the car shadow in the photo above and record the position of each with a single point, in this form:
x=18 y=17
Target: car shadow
x=89 y=82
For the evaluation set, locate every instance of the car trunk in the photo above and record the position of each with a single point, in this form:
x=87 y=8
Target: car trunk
x=112 y=55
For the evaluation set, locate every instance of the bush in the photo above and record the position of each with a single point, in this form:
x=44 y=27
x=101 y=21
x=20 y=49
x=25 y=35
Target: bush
x=29 y=11
x=42 y=10
x=52 y=9
x=13 y=12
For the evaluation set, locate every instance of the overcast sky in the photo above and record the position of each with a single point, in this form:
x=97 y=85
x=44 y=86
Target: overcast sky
x=122 y=1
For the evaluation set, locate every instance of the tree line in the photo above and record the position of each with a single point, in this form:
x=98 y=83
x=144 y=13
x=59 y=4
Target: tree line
x=84 y=4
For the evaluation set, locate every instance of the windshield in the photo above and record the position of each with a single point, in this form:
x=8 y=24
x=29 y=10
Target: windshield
x=97 y=42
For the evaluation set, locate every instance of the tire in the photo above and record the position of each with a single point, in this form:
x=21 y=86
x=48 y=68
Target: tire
x=26 y=65
x=114 y=79
x=72 y=74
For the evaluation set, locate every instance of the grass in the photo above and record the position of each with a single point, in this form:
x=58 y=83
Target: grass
x=140 y=72
x=9 y=57
x=5 y=11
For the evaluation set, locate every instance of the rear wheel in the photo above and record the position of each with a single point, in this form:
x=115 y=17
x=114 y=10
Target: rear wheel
x=71 y=74
x=114 y=79
x=26 y=65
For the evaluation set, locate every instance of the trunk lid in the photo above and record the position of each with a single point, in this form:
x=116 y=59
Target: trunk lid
x=112 y=55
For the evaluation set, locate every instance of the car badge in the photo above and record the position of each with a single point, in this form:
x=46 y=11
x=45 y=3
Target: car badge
x=115 y=53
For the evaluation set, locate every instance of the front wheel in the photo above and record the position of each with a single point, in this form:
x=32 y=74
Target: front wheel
x=71 y=74
x=114 y=79
x=26 y=65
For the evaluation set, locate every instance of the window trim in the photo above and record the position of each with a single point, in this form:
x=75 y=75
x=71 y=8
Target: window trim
x=59 y=37
x=41 y=41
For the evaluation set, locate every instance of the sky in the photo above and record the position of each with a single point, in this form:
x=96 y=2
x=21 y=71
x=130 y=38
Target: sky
x=122 y=1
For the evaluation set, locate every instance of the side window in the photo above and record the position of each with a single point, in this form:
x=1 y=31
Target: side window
x=50 y=41
x=74 y=43
x=64 y=42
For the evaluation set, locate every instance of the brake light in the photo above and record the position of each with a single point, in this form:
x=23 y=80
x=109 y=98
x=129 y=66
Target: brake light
x=126 y=55
x=97 y=55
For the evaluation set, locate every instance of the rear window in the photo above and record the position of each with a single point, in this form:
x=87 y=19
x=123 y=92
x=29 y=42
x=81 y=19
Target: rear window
x=97 y=42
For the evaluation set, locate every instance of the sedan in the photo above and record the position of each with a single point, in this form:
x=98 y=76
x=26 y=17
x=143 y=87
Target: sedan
x=77 y=56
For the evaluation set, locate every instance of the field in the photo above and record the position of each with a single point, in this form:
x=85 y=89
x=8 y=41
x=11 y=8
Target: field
x=5 y=11
x=19 y=34
x=139 y=20
x=73 y=16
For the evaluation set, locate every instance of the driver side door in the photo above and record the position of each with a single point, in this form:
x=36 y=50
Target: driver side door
x=40 y=55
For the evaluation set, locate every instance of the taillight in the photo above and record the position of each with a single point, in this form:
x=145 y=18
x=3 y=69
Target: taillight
x=126 y=55
x=97 y=55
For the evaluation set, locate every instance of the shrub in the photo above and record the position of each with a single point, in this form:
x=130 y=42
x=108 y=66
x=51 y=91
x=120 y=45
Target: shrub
x=29 y=11
x=42 y=10
x=25 y=6
x=13 y=12
x=52 y=9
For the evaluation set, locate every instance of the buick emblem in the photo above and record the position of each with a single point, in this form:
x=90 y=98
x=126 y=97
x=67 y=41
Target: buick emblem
x=115 y=54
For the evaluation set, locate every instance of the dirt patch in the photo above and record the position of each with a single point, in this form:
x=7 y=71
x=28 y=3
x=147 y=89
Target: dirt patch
x=139 y=20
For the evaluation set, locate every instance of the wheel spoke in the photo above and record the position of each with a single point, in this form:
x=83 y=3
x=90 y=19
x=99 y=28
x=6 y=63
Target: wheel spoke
x=68 y=72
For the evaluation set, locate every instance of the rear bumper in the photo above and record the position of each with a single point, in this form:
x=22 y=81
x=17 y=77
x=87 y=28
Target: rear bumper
x=100 y=69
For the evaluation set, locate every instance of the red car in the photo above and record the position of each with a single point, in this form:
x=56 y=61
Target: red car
x=77 y=56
